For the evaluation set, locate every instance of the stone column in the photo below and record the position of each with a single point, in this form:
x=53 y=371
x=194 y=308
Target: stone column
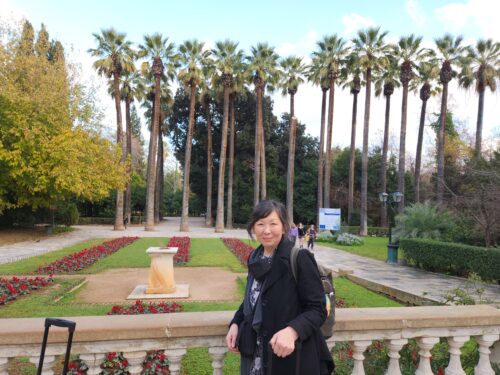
x=394 y=347
x=174 y=357
x=484 y=366
x=4 y=365
x=455 y=366
x=425 y=344
x=161 y=272
x=47 y=363
x=135 y=360
x=93 y=361
x=217 y=353
x=358 y=348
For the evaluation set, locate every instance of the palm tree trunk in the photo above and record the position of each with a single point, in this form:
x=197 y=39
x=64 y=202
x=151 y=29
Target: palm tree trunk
x=363 y=227
x=128 y=189
x=290 y=173
x=402 y=148
x=328 y=162
x=479 y=127
x=383 y=170
x=119 y=141
x=256 y=172
x=321 y=153
x=263 y=175
x=184 y=227
x=440 y=146
x=219 y=221
x=210 y=165
x=153 y=142
x=418 y=157
x=352 y=159
x=159 y=165
x=229 y=216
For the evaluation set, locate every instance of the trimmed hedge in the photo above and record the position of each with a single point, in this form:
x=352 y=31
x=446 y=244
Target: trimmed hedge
x=372 y=231
x=88 y=220
x=455 y=258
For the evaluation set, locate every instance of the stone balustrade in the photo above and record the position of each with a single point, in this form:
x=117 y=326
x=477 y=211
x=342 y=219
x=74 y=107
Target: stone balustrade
x=134 y=335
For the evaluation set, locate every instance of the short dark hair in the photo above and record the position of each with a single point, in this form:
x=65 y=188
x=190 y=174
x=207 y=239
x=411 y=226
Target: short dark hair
x=264 y=209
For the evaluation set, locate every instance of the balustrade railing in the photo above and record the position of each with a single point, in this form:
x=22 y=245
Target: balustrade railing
x=175 y=333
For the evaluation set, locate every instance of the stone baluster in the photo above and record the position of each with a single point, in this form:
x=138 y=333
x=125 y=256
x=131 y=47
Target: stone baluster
x=484 y=366
x=135 y=360
x=93 y=361
x=4 y=365
x=358 y=348
x=455 y=366
x=174 y=357
x=394 y=347
x=47 y=363
x=425 y=344
x=217 y=353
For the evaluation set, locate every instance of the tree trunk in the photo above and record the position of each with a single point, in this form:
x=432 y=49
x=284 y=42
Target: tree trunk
x=128 y=189
x=256 y=172
x=159 y=166
x=119 y=141
x=210 y=165
x=263 y=174
x=418 y=157
x=219 y=221
x=352 y=159
x=290 y=172
x=402 y=148
x=321 y=153
x=383 y=170
x=184 y=227
x=229 y=216
x=479 y=127
x=363 y=227
x=440 y=146
x=328 y=161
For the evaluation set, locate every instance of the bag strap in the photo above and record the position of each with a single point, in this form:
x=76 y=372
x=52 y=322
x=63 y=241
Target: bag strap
x=298 y=349
x=293 y=261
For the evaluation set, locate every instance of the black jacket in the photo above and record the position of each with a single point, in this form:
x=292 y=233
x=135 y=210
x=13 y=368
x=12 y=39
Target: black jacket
x=299 y=305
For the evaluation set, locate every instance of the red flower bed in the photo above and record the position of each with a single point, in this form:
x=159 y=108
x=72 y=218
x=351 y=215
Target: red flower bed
x=152 y=308
x=15 y=287
x=239 y=248
x=183 y=243
x=86 y=257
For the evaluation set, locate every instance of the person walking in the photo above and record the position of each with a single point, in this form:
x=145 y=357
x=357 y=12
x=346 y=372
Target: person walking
x=293 y=233
x=301 y=232
x=312 y=237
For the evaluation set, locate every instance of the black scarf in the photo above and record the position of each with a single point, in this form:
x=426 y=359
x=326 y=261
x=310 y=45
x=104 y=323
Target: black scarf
x=257 y=265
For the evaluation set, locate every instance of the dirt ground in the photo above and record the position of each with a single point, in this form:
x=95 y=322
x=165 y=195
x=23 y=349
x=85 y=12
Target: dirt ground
x=8 y=236
x=205 y=284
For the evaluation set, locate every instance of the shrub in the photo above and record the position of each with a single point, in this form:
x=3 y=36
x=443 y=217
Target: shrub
x=349 y=239
x=67 y=213
x=372 y=231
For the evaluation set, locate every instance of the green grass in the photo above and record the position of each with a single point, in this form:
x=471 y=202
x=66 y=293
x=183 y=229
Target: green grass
x=211 y=252
x=373 y=247
x=198 y=361
x=357 y=296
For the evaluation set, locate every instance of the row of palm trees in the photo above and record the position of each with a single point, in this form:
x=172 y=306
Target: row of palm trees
x=225 y=70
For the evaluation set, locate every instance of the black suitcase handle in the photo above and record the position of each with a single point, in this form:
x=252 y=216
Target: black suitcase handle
x=58 y=323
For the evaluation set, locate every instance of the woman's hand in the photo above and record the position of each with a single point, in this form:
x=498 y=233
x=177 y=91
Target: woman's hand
x=283 y=342
x=231 y=339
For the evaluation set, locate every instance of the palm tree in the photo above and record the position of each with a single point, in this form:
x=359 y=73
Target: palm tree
x=427 y=73
x=159 y=51
x=206 y=98
x=227 y=58
x=113 y=53
x=293 y=75
x=193 y=59
x=385 y=83
x=450 y=51
x=409 y=54
x=371 y=50
x=481 y=69
x=331 y=52
x=262 y=65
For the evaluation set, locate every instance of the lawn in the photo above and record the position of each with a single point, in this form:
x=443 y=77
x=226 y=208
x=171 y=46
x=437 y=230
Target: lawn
x=373 y=247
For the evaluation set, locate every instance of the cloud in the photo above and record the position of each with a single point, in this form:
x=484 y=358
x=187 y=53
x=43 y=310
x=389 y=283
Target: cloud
x=11 y=12
x=354 y=22
x=302 y=47
x=415 y=12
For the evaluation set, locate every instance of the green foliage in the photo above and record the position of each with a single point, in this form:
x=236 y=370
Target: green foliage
x=348 y=239
x=67 y=213
x=372 y=231
x=423 y=220
x=373 y=247
x=453 y=258
x=468 y=294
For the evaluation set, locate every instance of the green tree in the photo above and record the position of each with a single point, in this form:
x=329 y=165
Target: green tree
x=42 y=45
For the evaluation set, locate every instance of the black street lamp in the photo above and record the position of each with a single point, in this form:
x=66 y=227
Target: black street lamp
x=393 y=199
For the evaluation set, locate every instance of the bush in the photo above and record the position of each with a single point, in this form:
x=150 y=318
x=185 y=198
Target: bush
x=372 y=231
x=67 y=214
x=454 y=258
x=349 y=239
x=326 y=237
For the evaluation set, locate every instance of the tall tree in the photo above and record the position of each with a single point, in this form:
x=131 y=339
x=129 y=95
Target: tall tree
x=408 y=53
x=427 y=73
x=160 y=53
x=206 y=99
x=385 y=84
x=331 y=52
x=42 y=44
x=192 y=58
x=481 y=69
x=371 y=49
x=113 y=53
x=227 y=60
x=293 y=75
x=262 y=66
x=449 y=52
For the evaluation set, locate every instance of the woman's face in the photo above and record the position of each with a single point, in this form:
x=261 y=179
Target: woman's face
x=269 y=231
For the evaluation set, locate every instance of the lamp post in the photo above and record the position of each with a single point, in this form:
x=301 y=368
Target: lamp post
x=393 y=199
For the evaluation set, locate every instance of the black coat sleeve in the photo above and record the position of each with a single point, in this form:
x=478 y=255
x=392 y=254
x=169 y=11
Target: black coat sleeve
x=311 y=297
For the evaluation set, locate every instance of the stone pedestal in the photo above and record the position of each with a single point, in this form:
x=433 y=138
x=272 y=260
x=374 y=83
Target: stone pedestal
x=161 y=272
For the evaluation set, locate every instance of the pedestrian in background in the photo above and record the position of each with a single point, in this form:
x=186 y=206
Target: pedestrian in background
x=301 y=233
x=312 y=237
x=293 y=233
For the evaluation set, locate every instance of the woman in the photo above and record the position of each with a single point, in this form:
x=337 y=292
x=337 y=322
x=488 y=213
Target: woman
x=293 y=233
x=312 y=236
x=278 y=323
x=301 y=233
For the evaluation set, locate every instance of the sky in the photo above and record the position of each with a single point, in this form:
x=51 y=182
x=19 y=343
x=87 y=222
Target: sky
x=293 y=27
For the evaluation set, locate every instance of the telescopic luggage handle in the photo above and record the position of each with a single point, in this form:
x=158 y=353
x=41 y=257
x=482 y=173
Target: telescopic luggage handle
x=58 y=323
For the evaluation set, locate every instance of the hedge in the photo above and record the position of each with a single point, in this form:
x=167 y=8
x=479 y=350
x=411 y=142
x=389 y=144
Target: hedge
x=454 y=258
x=372 y=231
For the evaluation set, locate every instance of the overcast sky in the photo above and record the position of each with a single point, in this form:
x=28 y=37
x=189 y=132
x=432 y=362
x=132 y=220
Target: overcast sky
x=292 y=27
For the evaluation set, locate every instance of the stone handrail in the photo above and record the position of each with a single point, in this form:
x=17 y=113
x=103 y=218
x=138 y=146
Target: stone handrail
x=175 y=333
